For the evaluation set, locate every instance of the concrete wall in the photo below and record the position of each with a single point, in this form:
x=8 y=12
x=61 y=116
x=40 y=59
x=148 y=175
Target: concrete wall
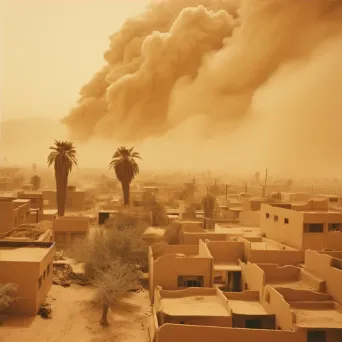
x=26 y=275
x=290 y=234
x=167 y=268
x=7 y=216
x=275 y=303
x=253 y=277
x=276 y=255
x=188 y=333
x=321 y=265
x=226 y=251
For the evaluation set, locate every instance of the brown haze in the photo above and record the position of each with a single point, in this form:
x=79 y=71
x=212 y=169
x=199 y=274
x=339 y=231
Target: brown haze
x=220 y=84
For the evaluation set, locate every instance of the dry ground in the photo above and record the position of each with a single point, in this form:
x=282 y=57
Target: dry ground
x=75 y=319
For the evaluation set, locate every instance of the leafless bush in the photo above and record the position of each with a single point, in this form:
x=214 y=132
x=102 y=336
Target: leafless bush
x=7 y=295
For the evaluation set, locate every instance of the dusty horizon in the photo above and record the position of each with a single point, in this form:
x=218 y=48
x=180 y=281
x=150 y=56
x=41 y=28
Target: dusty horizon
x=214 y=89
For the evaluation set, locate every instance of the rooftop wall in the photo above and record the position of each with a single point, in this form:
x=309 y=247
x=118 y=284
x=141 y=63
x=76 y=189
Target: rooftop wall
x=253 y=277
x=223 y=251
x=71 y=223
x=160 y=249
x=188 y=333
x=322 y=266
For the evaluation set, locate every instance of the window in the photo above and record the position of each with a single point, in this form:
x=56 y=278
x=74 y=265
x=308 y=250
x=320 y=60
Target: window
x=190 y=281
x=267 y=297
x=44 y=274
x=267 y=215
x=181 y=322
x=48 y=269
x=286 y=221
x=39 y=282
x=275 y=218
x=335 y=227
x=313 y=227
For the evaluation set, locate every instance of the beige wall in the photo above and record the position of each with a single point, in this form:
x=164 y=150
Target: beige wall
x=275 y=303
x=7 y=216
x=167 y=268
x=187 y=333
x=226 y=251
x=252 y=276
x=321 y=266
x=66 y=229
x=25 y=275
x=290 y=234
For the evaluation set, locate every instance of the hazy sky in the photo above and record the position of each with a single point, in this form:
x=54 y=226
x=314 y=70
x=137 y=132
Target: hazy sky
x=50 y=48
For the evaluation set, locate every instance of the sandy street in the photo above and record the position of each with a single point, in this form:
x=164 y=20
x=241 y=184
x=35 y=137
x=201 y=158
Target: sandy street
x=75 y=319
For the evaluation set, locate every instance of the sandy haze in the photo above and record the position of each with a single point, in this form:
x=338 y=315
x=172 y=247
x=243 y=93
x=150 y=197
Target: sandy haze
x=230 y=85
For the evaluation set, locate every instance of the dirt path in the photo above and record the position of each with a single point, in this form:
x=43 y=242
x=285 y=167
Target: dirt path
x=76 y=320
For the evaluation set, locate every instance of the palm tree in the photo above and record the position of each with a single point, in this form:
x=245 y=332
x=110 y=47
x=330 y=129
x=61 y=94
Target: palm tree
x=208 y=203
x=126 y=168
x=64 y=158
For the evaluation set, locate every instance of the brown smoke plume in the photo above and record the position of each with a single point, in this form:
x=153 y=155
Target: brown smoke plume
x=263 y=74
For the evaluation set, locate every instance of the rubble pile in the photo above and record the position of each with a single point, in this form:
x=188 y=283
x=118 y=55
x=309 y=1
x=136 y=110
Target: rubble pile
x=64 y=275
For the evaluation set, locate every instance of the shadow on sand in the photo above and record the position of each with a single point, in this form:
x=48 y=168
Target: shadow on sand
x=14 y=321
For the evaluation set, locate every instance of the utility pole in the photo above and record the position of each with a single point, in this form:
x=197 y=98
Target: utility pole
x=246 y=188
x=226 y=192
x=265 y=184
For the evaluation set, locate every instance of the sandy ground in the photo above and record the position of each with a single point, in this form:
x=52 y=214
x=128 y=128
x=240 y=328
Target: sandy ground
x=75 y=319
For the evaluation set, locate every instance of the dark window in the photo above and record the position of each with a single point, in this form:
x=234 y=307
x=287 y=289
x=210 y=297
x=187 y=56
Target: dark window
x=286 y=221
x=253 y=324
x=316 y=336
x=246 y=286
x=313 y=228
x=190 y=281
x=181 y=322
x=48 y=269
x=335 y=227
x=267 y=215
x=275 y=218
x=44 y=274
x=39 y=282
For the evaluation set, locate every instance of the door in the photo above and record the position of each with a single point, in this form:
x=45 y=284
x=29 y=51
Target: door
x=316 y=336
x=234 y=282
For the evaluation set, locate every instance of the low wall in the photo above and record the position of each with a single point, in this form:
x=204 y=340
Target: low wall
x=188 y=333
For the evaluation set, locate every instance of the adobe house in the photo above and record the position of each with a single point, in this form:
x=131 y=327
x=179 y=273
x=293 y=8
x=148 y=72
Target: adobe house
x=207 y=314
x=37 y=204
x=29 y=266
x=75 y=199
x=175 y=267
x=303 y=226
x=261 y=250
x=13 y=213
x=49 y=214
x=227 y=256
x=67 y=229
x=313 y=315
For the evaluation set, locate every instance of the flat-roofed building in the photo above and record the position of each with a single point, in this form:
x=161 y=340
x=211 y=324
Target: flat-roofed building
x=29 y=266
x=67 y=229
x=303 y=226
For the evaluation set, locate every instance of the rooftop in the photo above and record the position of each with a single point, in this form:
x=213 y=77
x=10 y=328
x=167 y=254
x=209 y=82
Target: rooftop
x=23 y=251
x=246 y=307
x=318 y=318
x=207 y=305
x=226 y=266
x=295 y=285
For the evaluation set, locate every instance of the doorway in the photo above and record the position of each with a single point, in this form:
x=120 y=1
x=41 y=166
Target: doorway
x=253 y=324
x=316 y=336
x=234 y=281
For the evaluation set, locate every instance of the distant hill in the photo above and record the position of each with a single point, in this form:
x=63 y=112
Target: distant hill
x=30 y=131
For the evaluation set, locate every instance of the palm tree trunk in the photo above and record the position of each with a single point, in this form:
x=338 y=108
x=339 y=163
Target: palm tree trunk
x=61 y=187
x=125 y=190
x=104 y=317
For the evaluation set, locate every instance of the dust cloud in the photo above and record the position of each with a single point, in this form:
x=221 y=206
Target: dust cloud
x=229 y=85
